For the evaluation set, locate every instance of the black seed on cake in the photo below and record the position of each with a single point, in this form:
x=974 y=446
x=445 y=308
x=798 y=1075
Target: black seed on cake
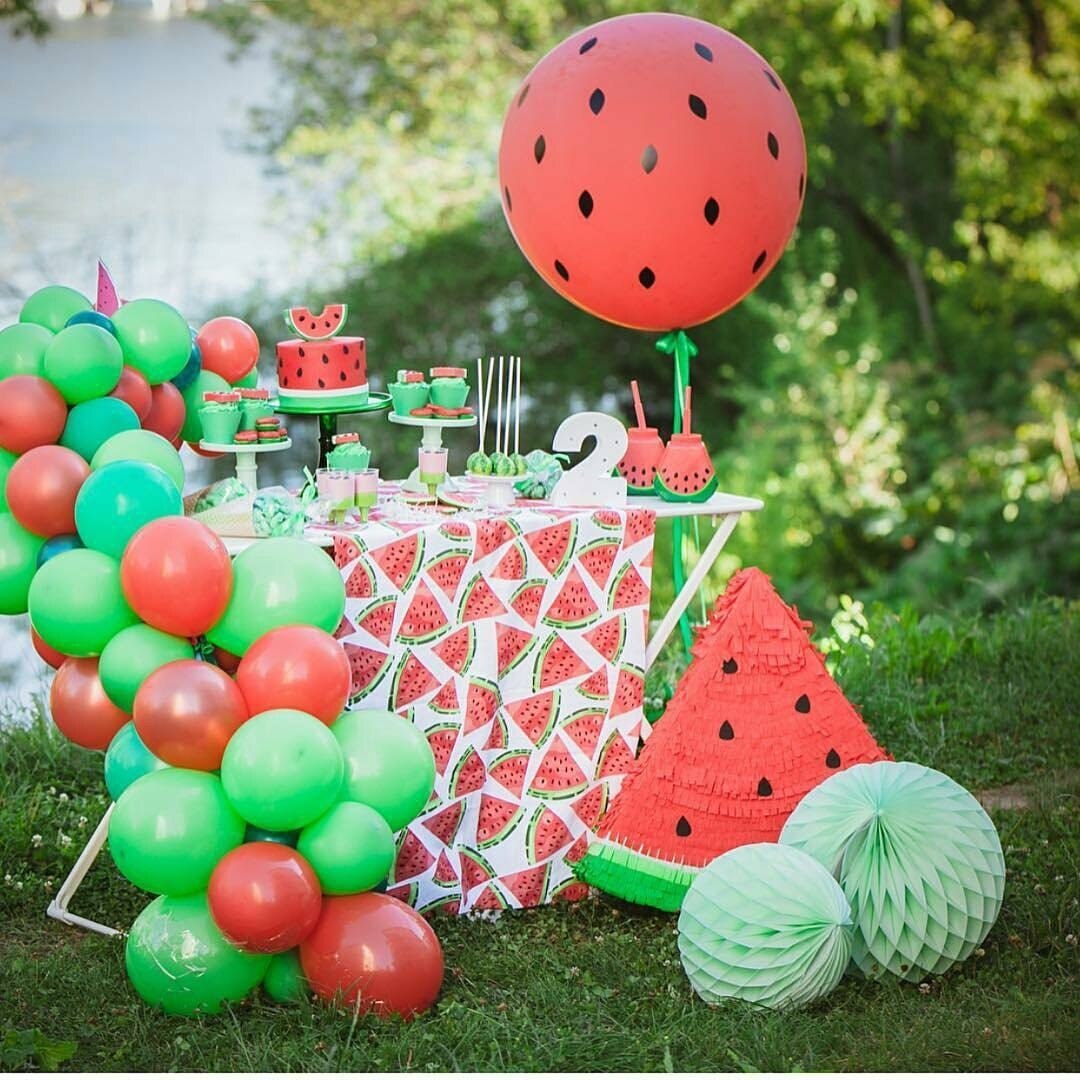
x=322 y=385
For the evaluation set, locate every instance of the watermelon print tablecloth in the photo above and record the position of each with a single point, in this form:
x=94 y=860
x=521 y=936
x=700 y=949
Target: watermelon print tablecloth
x=517 y=644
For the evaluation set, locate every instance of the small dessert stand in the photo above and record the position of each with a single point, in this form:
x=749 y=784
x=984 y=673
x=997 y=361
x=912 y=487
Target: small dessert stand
x=246 y=457
x=328 y=414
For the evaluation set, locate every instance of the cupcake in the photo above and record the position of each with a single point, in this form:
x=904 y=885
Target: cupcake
x=449 y=390
x=349 y=453
x=254 y=405
x=409 y=392
x=219 y=419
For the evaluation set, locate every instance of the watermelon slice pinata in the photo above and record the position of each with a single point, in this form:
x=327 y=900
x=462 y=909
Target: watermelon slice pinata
x=755 y=723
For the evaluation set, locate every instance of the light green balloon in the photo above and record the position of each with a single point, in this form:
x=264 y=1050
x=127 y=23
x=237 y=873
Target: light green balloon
x=126 y=760
x=146 y=446
x=282 y=769
x=279 y=582
x=18 y=564
x=171 y=828
x=7 y=459
x=76 y=603
x=52 y=306
x=178 y=960
x=284 y=980
x=134 y=655
x=249 y=381
x=388 y=764
x=350 y=848
x=22 y=349
x=92 y=423
x=83 y=362
x=204 y=383
x=154 y=337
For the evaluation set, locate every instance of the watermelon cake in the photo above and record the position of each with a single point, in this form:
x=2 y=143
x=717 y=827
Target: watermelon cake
x=319 y=365
x=755 y=723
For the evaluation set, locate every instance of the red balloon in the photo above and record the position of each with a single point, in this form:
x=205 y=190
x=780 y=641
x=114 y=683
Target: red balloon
x=652 y=168
x=376 y=952
x=41 y=489
x=264 y=897
x=186 y=712
x=177 y=576
x=47 y=653
x=32 y=413
x=229 y=347
x=135 y=390
x=197 y=449
x=80 y=707
x=227 y=662
x=167 y=411
x=296 y=667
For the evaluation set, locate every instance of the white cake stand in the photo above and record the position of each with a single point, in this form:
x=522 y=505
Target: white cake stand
x=246 y=465
x=430 y=439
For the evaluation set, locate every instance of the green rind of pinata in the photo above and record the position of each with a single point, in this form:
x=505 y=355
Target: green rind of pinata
x=630 y=875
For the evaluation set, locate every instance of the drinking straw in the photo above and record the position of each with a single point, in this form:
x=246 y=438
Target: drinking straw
x=686 y=426
x=638 y=409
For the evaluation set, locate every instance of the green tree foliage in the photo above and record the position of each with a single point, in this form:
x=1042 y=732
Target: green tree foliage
x=902 y=390
x=25 y=17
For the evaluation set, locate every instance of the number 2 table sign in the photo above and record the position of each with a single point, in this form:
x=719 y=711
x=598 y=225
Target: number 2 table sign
x=590 y=481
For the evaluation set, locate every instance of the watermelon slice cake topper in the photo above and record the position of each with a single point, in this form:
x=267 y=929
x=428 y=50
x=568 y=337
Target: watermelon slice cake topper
x=755 y=723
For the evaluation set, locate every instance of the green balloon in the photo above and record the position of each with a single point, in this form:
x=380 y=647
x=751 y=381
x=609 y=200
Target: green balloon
x=92 y=423
x=52 y=306
x=279 y=582
x=388 y=764
x=178 y=960
x=146 y=446
x=171 y=828
x=282 y=769
x=126 y=760
x=118 y=499
x=284 y=980
x=22 y=349
x=18 y=564
x=83 y=362
x=76 y=603
x=7 y=459
x=154 y=338
x=132 y=656
x=249 y=381
x=350 y=847
x=204 y=383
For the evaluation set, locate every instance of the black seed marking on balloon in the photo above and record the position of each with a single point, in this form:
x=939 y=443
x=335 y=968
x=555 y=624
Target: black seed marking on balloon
x=649 y=158
x=759 y=262
x=832 y=759
x=774 y=145
x=322 y=385
x=539 y=147
x=730 y=666
x=697 y=106
x=585 y=204
x=587 y=46
x=509 y=201
x=647 y=277
x=703 y=51
x=764 y=788
x=325 y=358
x=712 y=211
x=802 y=184
x=726 y=731
x=803 y=704
x=562 y=271
x=772 y=78
x=682 y=827
x=596 y=101
x=523 y=95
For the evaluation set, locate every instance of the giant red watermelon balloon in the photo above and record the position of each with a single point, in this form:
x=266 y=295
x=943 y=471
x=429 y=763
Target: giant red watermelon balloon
x=652 y=169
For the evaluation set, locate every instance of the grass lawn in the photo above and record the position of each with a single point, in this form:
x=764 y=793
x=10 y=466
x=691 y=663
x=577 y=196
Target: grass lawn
x=598 y=985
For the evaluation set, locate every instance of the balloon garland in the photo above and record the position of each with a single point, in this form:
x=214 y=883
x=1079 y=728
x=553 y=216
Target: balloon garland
x=259 y=811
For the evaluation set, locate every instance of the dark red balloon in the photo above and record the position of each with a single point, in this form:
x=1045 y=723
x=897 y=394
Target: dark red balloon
x=229 y=347
x=177 y=576
x=264 y=897
x=186 y=712
x=376 y=952
x=135 y=390
x=42 y=487
x=80 y=707
x=296 y=667
x=32 y=413
x=47 y=653
x=167 y=411
x=652 y=169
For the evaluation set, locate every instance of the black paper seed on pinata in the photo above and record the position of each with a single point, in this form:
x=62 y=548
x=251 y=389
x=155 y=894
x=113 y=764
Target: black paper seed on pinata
x=726 y=731
x=832 y=759
x=764 y=788
x=731 y=665
x=682 y=827
x=803 y=704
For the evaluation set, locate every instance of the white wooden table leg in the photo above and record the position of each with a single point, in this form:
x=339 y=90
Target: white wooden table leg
x=58 y=909
x=681 y=602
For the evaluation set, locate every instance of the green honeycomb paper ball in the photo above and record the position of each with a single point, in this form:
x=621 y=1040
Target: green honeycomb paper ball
x=765 y=924
x=918 y=858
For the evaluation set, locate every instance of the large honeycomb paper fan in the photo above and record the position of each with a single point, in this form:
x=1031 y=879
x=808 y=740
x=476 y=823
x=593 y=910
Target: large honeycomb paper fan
x=918 y=859
x=765 y=924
